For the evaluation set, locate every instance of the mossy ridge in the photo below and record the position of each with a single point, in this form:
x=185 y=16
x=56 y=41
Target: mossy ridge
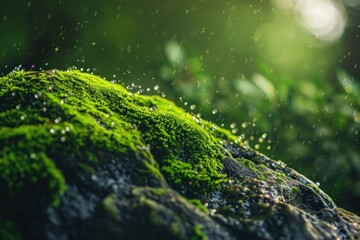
x=107 y=116
x=84 y=116
x=172 y=134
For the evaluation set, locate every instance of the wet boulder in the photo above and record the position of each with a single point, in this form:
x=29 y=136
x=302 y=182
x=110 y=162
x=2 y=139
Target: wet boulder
x=82 y=158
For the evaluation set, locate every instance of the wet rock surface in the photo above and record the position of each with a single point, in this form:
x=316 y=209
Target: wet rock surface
x=100 y=185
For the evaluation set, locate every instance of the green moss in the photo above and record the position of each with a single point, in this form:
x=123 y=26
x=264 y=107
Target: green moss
x=258 y=170
x=295 y=190
x=199 y=235
x=158 y=191
x=153 y=168
x=109 y=204
x=26 y=169
x=54 y=122
x=199 y=205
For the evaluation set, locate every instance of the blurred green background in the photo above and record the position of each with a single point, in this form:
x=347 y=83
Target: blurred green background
x=282 y=74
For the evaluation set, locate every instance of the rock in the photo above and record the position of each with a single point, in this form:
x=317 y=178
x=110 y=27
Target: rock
x=82 y=158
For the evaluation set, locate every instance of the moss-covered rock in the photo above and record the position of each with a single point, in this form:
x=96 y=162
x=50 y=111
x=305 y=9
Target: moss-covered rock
x=82 y=158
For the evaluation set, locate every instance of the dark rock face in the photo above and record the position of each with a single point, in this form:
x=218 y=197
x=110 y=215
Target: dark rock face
x=116 y=178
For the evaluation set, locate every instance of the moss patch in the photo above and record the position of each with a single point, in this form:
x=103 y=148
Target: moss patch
x=53 y=121
x=199 y=235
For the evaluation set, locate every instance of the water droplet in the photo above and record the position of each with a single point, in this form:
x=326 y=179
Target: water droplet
x=196 y=119
x=214 y=111
x=63 y=139
x=32 y=155
x=156 y=87
x=193 y=107
x=52 y=131
x=57 y=120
